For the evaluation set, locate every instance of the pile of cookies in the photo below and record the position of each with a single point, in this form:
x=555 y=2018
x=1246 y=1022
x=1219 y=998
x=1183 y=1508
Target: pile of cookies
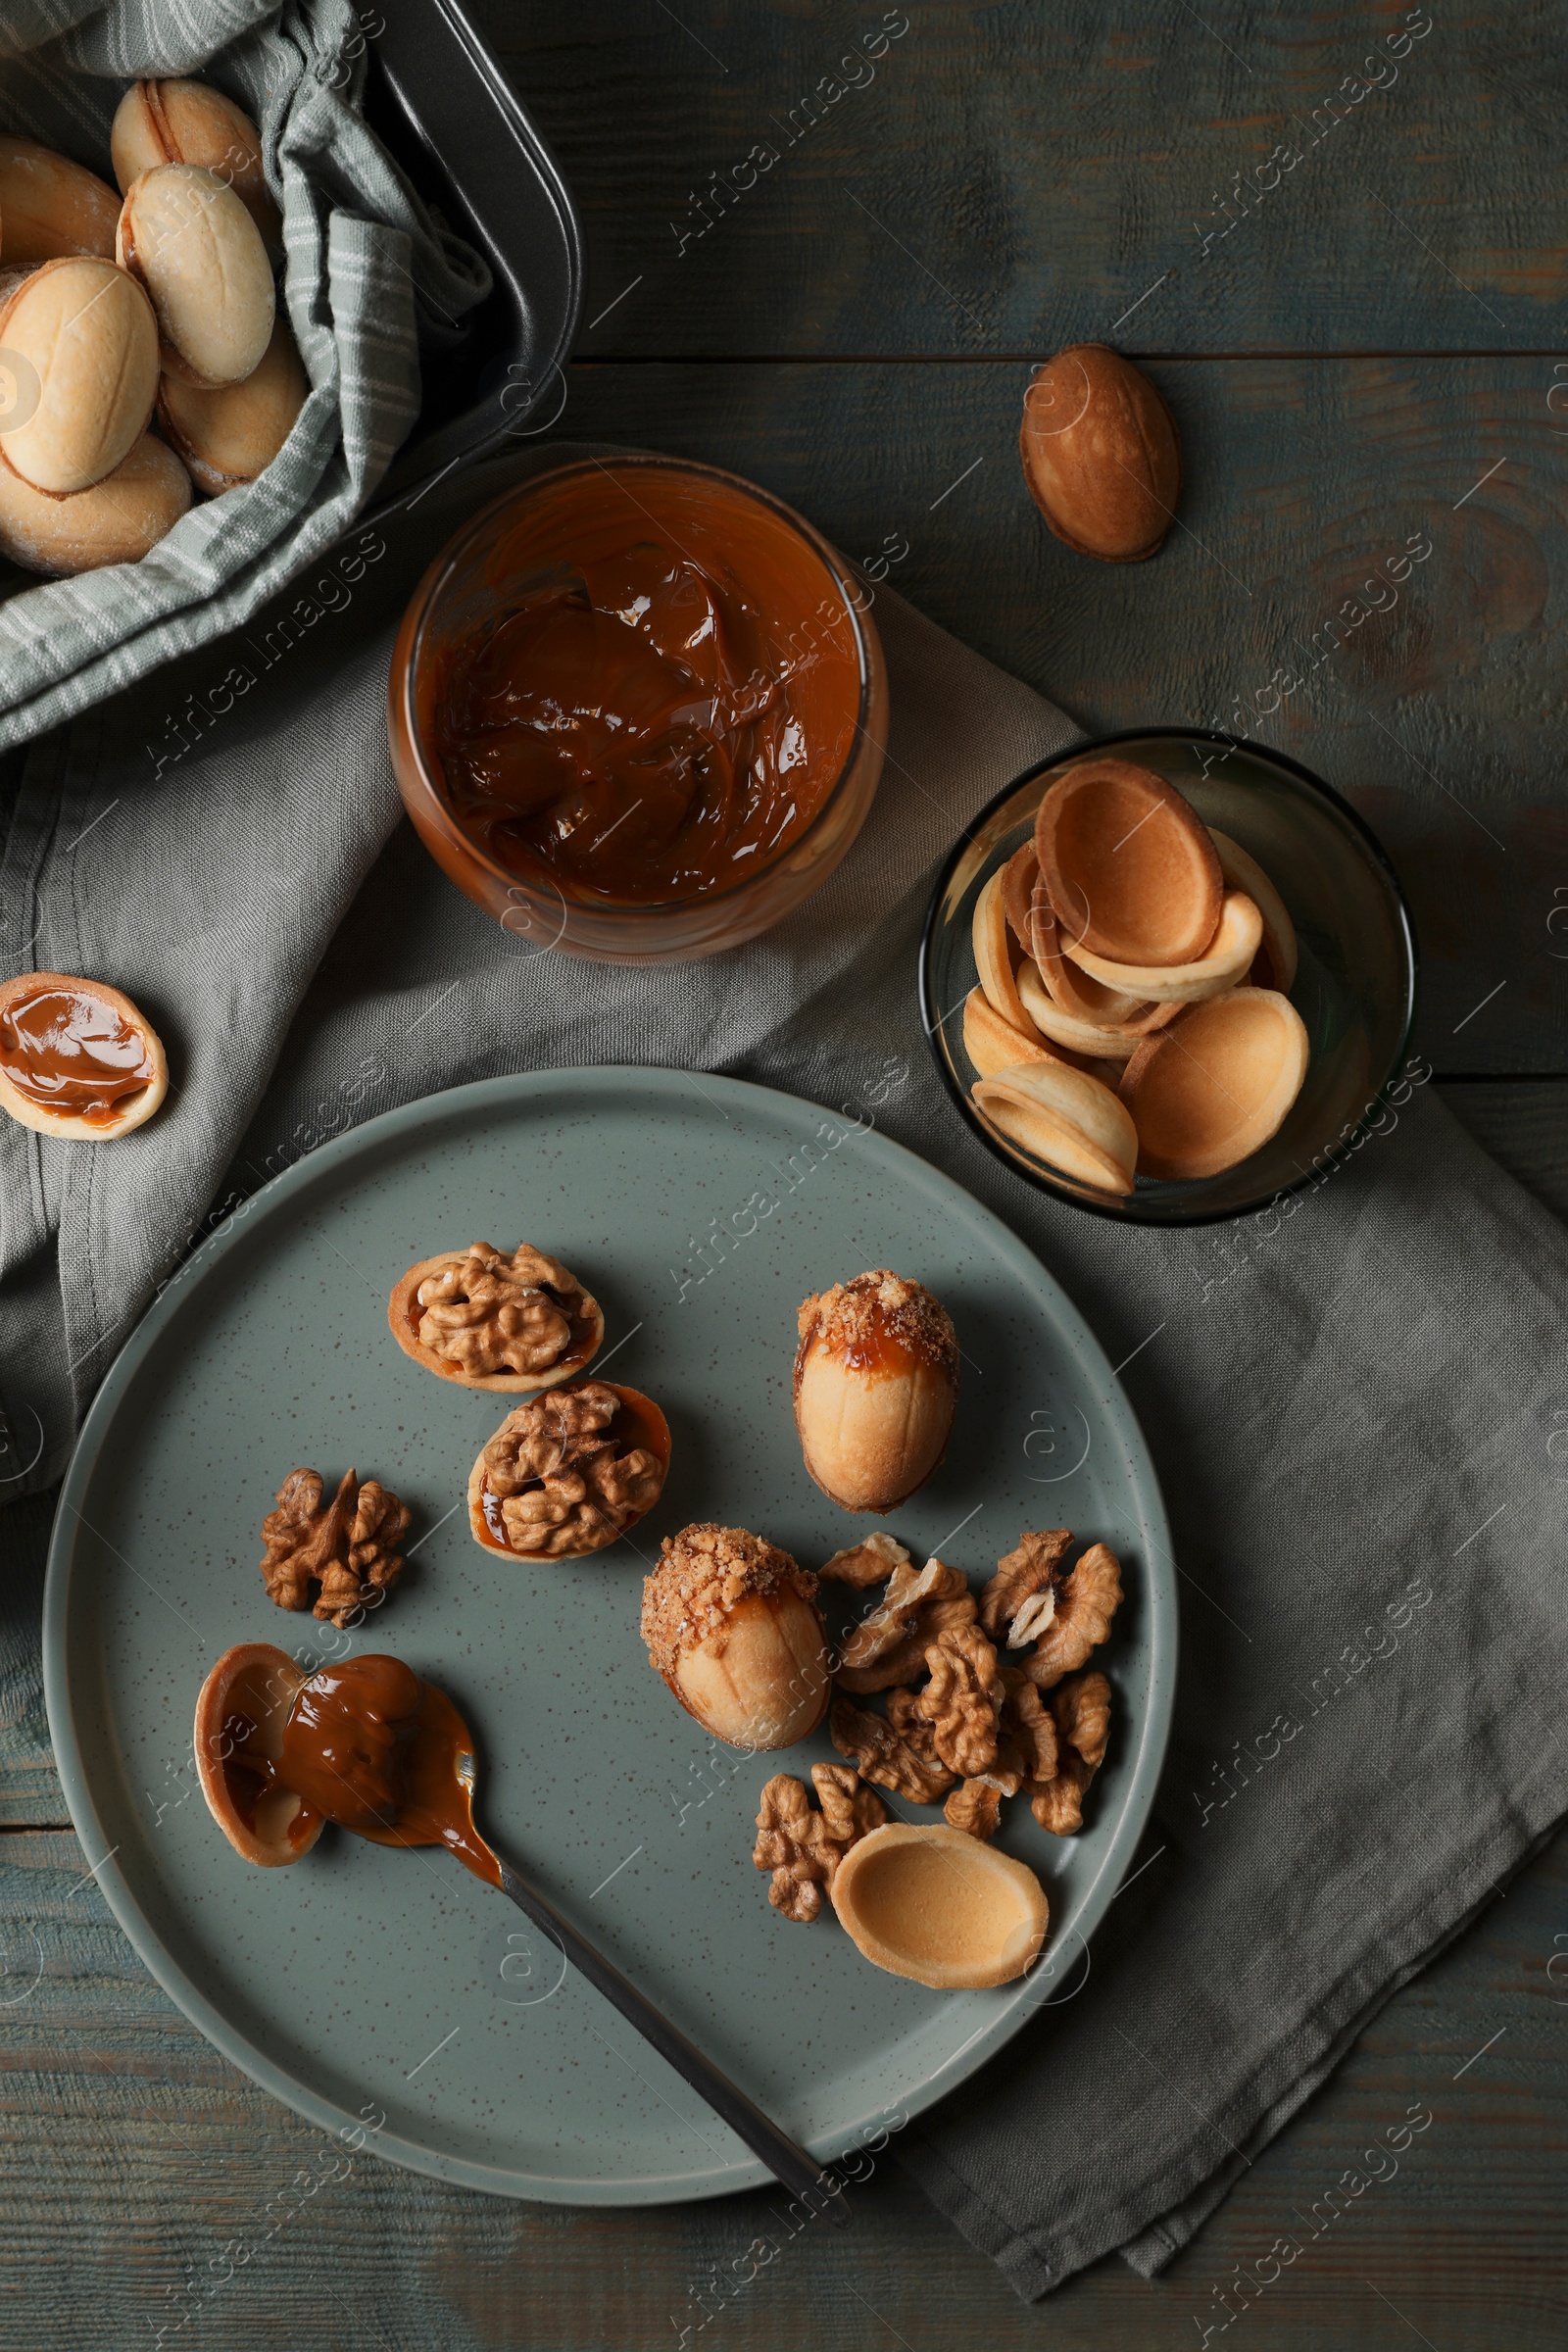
x=1133 y=1013
x=113 y=309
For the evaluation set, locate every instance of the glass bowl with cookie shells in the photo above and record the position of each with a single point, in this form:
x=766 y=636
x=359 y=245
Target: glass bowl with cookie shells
x=1167 y=976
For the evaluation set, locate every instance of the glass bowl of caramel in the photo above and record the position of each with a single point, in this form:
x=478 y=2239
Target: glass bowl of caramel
x=637 y=709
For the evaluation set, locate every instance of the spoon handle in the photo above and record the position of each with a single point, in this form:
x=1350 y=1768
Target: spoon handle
x=799 y=2173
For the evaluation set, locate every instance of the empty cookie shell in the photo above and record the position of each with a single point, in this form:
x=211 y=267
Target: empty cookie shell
x=1020 y=878
x=940 y=1907
x=1275 y=965
x=241 y=1709
x=1066 y=1118
x=1086 y=1000
x=77 y=1059
x=1228 y=958
x=1128 y=865
x=1212 y=1088
x=992 y=1043
x=993 y=954
x=1066 y=1029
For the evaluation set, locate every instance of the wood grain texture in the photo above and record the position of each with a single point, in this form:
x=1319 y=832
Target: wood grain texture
x=1525 y=1128
x=1430 y=714
x=1013 y=177
x=148 y=2184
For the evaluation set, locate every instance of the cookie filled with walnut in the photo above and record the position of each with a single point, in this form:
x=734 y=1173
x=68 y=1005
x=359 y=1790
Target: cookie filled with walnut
x=514 y=1325
x=876 y=1386
x=731 y=1623
x=567 y=1473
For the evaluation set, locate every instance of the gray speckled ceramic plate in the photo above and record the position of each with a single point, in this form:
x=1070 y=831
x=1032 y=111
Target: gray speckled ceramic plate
x=362 y=1981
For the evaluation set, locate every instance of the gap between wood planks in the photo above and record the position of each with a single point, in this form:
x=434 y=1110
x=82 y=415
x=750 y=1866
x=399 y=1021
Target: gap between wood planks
x=1017 y=358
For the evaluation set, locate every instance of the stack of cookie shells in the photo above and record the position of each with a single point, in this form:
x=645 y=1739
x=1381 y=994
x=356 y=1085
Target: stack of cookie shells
x=1133 y=1012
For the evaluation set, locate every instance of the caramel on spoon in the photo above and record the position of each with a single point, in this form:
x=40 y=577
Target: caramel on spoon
x=371 y=1746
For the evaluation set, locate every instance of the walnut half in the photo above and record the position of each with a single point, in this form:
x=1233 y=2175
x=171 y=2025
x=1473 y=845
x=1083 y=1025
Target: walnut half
x=569 y=1472
x=880 y=1752
x=348 y=1548
x=1086 y=1602
x=487 y=1321
x=1081 y=1708
x=803 y=1847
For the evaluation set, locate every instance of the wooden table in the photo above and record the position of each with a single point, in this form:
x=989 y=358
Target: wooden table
x=827 y=244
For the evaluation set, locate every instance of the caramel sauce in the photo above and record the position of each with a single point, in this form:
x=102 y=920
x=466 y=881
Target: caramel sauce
x=73 y=1053
x=369 y=1746
x=880 y=1356
x=250 y=1776
x=662 y=697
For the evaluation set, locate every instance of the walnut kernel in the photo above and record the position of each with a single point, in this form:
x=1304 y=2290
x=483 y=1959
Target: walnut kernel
x=488 y=1321
x=1021 y=1599
x=348 y=1548
x=1081 y=1709
x=564 y=1475
x=975 y=1806
x=1087 y=1601
x=881 y=1754
x=962 y=1700
x=803 y=1847
x=866 y=1563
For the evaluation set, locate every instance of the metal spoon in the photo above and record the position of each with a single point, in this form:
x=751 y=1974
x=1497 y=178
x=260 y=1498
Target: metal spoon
x=799 y=2173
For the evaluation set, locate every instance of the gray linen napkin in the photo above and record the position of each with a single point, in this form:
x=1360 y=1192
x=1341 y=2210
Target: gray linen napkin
x=368 y=278
x=1349 y=1399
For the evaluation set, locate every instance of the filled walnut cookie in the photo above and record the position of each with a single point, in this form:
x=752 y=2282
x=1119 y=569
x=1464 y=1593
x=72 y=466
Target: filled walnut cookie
x=731 y=1623
x=876 y=1384
x=568 y=1473
x=513 y=1324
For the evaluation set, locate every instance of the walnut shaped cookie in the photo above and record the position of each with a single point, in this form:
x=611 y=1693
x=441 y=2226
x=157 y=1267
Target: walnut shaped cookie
x=514 y=1325
x=875 y=1389
x=732 y=1625
x=569 y=1472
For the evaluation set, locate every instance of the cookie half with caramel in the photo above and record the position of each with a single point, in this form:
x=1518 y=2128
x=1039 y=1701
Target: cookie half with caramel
x=77 y=1057
x=513 y=1324
x=568 y=1473
x=876 y=1384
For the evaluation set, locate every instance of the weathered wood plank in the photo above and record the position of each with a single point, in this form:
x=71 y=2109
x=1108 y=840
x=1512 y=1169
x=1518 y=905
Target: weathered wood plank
x=1011 y=177
x=29 y=1786
x=1302 y=478
x=137 y=2169
x=1525 y=1127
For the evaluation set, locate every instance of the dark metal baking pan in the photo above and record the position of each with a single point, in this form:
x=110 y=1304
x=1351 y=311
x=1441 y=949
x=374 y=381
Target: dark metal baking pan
x=444 y=108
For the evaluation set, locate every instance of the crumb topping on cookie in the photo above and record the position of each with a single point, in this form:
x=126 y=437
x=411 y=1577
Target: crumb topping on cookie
x=853 y=1317
x=702 y=1573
